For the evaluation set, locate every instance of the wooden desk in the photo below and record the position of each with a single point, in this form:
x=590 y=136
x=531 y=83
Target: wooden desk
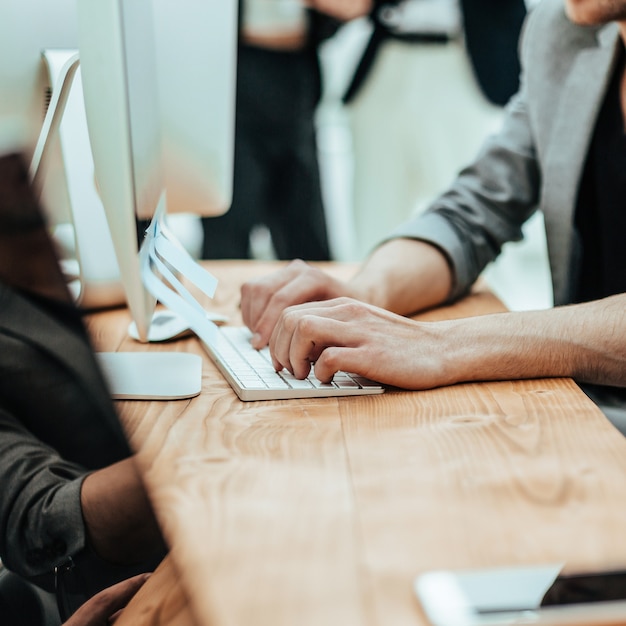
x=322 y=512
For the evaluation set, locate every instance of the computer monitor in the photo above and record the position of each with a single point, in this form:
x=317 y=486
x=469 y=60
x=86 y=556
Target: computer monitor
x=159 y=96
x=159 y=88
x=26 y=29
x=65 y=176
x=194 y=50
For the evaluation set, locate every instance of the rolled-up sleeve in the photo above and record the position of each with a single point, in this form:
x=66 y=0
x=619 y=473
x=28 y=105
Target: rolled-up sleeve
x=490 y=200
x=487 y=204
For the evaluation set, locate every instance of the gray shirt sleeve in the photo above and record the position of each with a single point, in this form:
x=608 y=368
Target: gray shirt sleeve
x=489 y=201
x=41 y=522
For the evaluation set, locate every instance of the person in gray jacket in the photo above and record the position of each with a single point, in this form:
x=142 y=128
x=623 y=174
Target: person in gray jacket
x=561 y=150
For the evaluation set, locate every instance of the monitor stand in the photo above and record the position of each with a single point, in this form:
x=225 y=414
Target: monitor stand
x=151 y=375
x=167 y=325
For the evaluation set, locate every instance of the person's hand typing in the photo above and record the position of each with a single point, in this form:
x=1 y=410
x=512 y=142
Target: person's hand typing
x=352 y=336
x=264 y=299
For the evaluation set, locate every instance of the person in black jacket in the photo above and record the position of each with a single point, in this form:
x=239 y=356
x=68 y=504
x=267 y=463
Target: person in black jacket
x=491 y=30
x=74 y=516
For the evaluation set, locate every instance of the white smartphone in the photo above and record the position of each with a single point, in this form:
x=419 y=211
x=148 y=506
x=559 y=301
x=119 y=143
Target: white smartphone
x=522 y=595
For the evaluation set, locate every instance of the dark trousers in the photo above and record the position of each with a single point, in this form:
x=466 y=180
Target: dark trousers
x=276 y=172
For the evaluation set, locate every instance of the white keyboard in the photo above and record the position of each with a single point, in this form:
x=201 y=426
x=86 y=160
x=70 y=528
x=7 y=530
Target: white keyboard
x=252 y=376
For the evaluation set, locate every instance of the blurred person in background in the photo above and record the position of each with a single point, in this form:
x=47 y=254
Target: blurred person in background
x=430 y=85
x=276 y=173
x=440 y=71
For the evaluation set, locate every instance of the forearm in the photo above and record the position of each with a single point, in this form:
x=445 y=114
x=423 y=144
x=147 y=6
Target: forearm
x=119 y=519
x=586 y=342
x=403 y=276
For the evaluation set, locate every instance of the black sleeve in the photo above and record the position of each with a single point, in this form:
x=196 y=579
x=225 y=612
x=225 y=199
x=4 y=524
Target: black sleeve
x=492 y=29
x=322 y=27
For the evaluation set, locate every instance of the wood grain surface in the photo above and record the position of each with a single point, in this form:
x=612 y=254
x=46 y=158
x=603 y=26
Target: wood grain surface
x=323 y=511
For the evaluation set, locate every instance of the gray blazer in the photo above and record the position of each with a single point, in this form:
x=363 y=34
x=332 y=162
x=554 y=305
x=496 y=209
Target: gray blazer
x=535 y=161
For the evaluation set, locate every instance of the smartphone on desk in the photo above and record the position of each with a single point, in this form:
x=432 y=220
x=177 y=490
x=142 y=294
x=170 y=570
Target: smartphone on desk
x=539 y=595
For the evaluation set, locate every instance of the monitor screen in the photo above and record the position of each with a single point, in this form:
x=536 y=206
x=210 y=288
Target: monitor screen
x=196 y=47
x=159 y=87
x=160 y=102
